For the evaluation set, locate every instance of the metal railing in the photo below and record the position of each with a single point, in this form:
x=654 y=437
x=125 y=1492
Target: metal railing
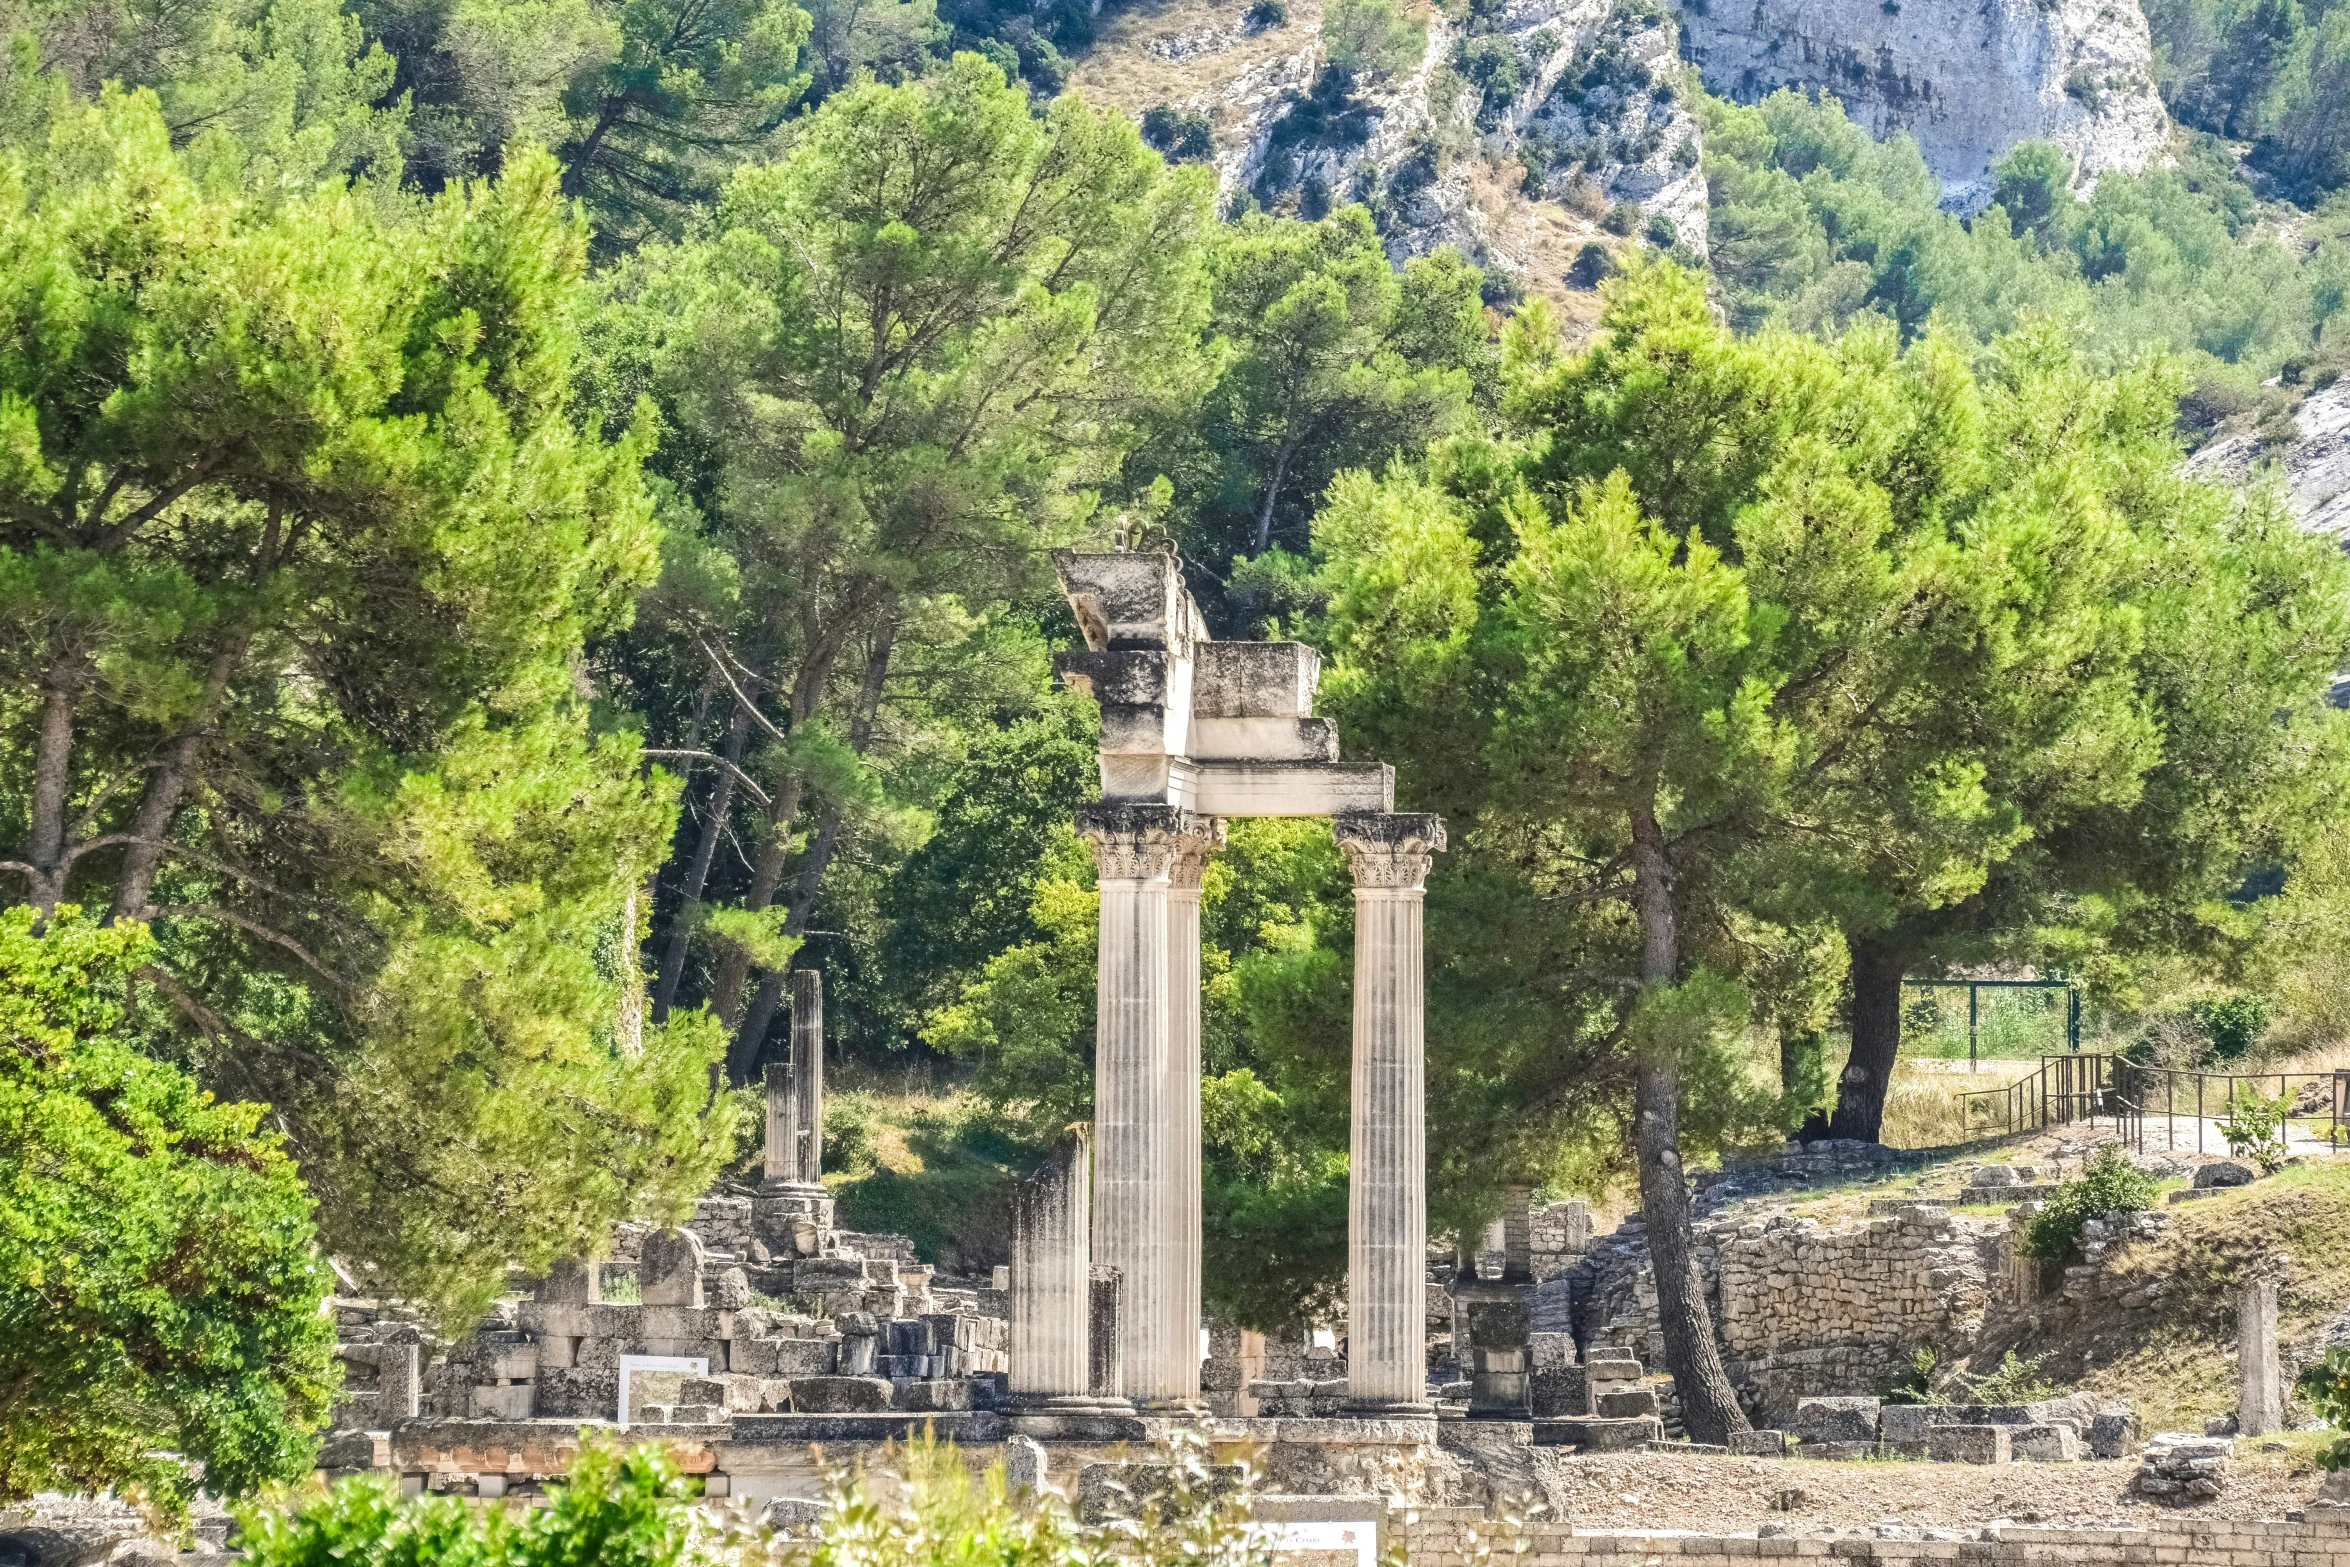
x=2067 y=1088
x=2315 y=1102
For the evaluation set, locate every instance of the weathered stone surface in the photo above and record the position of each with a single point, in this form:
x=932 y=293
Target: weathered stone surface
x=2225 y=1172
x=1837 y=1419
x=1598 y=1436
x=1627 y=1405
x=1970 y=1444
x=845 y=1395
x=2046 y=1444
x=1967 y=79
x=2114 y=1432
x=1024 y=1464
x=669 y=1269
x=1902 y=1427
x=1765 y=1443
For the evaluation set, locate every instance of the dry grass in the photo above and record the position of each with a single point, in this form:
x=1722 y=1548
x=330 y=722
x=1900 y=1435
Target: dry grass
x=1926 y=1106
x=1121 y=70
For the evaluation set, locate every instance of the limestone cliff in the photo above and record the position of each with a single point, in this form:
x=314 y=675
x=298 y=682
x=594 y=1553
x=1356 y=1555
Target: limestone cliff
x=2314 y=467
x=1968 y=78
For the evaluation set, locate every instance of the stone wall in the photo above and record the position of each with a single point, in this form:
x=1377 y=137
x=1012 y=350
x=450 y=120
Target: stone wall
x=1450 y=1537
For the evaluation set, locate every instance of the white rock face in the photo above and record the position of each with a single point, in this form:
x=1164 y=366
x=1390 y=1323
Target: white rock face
x=1968 y=78
x=2316 y=468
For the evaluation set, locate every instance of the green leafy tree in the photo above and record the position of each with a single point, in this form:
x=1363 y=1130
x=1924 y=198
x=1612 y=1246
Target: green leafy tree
x=299 y=543
x=1727 y=637
x=1372 y=39
x=909 y=350
x=161 y=1293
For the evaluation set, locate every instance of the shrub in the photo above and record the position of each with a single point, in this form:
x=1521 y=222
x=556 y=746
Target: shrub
x=617 y=1510
x=2017 y=1381
x=2326 y=1385
x=1592 y=266
x=160 y=1283
x=1267 y=13
x=1622 y=218
x=1661 y=232
x=1915 y=1385
x=2109 y=1184
x=1184 y=137
x=627 y=1510
x=2255 y=1127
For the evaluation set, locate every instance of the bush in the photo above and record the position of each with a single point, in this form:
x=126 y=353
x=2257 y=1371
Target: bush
x=627 y=1510
x=616 y=1511
x=2326 y=1385
x=1622 y=218
x=1267 y=13
x=1184 y=137
x=1915 y=1385
x=2109 y=1184
x=2255 y=1127
x=1661 y=232
x=1592 y=266
x=2017 y=1381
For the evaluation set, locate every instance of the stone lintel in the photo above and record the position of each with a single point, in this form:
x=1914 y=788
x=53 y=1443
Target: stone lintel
x=1268 y=788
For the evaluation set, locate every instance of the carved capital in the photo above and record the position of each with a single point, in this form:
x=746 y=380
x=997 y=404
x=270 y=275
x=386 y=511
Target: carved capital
x=1146 y=842
x=1390 y=850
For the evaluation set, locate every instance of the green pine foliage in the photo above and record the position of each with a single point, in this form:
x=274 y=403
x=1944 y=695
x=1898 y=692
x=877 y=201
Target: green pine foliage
x=160 y=1286
x=1813 y=222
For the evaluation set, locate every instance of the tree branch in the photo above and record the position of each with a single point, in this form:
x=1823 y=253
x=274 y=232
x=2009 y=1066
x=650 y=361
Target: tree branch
x=725 y=766
x=251 y=927
x=749 y=706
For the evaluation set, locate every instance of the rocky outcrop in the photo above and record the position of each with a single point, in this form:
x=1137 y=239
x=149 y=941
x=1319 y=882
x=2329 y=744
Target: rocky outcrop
x=2314 y=466
x=1583 y=95
x=1967 y=78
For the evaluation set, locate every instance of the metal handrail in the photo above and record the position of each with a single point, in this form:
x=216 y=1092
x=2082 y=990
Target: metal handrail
x=2067 y=1088
x=2192 y=1093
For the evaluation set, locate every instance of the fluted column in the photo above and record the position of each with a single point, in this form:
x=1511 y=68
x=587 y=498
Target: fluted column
x=1387 y=1204
x=807 y=1061
x=783 y=1124
x=1181 y=1374
x=1052 y=1220
x=1135 y=850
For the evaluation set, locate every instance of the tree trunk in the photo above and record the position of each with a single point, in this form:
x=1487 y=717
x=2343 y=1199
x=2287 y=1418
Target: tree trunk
x=734 y=964
x=52 y=773
x=169 y=786
x=1272 y=494
x=742 y=1057
x=697 y=872
x=1876 y=1040
x=1709 y=1405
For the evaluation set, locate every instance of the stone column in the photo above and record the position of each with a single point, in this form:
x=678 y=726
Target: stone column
x=1387 y=1205
x=807 y=1060
x=1181 y=1374
x=2260 y=1386
x=1052 y=1245
x=1135 y=849
x=783 y=1124
x=1517 y=1235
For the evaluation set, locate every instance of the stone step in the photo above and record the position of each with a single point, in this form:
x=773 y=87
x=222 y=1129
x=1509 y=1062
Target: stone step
x=1599 y=1436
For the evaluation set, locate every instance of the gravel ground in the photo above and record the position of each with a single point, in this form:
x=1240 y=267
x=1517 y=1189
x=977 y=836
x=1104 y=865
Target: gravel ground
x=1736 y=1495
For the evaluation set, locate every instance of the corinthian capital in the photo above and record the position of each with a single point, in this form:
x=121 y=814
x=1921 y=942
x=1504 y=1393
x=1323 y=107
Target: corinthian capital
x=1389 y=849
x=1146 y=842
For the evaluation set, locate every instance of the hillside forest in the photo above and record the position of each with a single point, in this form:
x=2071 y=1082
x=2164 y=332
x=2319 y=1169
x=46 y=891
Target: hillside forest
x=523 y=521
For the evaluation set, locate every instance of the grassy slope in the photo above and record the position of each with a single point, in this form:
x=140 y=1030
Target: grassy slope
x=906 y=1159
x=2185 y=1368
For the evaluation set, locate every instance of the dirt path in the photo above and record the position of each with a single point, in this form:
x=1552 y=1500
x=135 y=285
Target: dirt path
x=1735 y=1495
